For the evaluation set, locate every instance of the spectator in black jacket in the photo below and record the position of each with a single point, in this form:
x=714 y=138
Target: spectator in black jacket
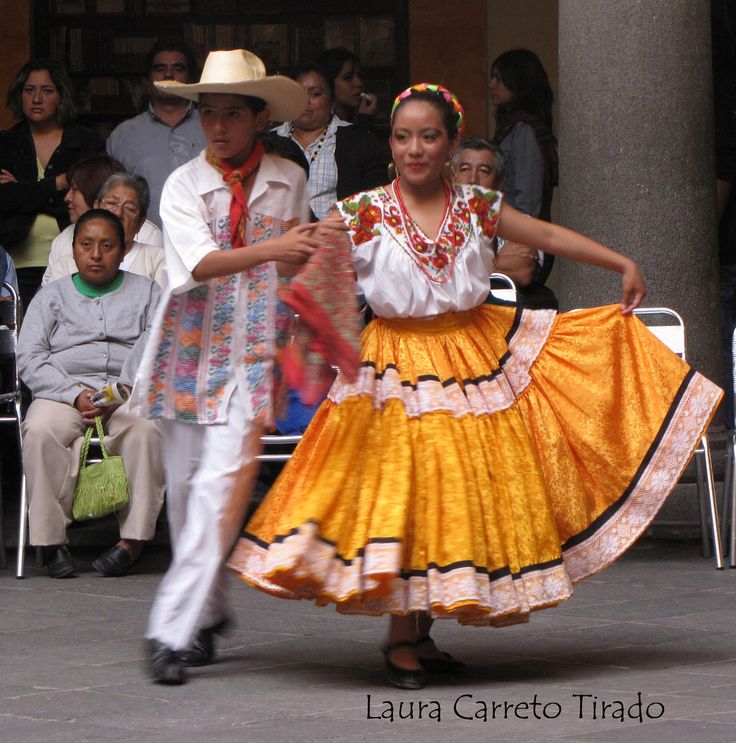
x=35 y=155
x=343 y=158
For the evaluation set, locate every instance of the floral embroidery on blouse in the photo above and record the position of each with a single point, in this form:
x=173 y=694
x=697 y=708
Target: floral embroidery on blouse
x=484 y=204
x=470 y=206
x=363 y=216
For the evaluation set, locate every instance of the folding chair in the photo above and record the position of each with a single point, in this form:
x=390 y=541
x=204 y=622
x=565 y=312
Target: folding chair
x=271 y=441
x=672 y=333
x=502 y=287
x=729 y=487
x=95 y=456
x=10 y=395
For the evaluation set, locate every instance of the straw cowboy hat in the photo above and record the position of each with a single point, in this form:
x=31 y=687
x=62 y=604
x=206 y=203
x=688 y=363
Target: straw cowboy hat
x=241 y=72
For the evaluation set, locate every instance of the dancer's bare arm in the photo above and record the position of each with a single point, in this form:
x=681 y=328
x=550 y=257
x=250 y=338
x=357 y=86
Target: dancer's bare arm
x=552 y=238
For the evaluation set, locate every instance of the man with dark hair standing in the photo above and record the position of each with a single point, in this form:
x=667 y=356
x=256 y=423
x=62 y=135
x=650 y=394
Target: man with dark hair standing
x=166 y=135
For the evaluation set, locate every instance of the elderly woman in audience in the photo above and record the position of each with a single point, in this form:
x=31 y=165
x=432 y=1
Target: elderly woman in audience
x=82 y=333
x=343 y=158
x=86 y=178
x=127 y=196
x=481 y=162
x=35 y=156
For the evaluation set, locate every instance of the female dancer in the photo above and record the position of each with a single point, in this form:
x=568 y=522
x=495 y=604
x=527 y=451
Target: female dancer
x=487 y=458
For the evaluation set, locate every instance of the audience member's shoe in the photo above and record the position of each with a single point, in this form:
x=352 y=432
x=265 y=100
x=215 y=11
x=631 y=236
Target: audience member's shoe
x=165 y=665
x=202 y=652
x=59 y=561
x=445 y=663
x=115 y=563
x=403 y=678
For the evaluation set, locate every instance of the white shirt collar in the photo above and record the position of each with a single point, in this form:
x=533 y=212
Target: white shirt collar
x=270 y=171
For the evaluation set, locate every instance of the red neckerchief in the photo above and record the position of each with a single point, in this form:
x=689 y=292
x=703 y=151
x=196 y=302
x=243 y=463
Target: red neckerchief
x=235 y=177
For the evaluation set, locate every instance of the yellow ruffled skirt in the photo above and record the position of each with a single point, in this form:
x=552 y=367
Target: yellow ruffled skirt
x=482 y=463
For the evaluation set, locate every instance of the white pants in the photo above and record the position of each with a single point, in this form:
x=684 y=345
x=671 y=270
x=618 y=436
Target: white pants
x=209 y=477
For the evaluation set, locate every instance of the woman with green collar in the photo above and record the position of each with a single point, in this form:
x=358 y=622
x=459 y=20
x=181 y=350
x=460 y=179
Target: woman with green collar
x=81 y=333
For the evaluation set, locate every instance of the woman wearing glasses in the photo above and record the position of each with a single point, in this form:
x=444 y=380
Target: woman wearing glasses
x=126 y=195
x=86 y=178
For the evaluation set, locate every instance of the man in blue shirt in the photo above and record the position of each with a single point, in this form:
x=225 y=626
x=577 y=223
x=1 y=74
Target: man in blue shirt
x=166 y=135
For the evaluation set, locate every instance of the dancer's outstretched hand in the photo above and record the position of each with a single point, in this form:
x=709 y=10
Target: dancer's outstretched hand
x=294 y=246
x=634 y=289
x=326 y=227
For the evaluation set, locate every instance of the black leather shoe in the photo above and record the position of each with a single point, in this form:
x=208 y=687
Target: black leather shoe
x=165 y=664
x=59 y=562
x=115 y=563
x=202 y=652
x=445 y=664
x=403 y=678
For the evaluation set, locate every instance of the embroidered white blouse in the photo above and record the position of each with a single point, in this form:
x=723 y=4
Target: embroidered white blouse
x=421 y=277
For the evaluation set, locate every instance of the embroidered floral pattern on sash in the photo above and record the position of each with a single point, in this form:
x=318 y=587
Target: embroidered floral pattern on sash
x=214 y=331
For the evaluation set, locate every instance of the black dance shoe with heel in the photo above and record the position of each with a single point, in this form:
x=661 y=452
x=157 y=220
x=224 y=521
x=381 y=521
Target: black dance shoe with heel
x=444 y=664
x=403 y=678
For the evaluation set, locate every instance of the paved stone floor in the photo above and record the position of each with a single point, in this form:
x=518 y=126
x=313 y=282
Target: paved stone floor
x=658 y=627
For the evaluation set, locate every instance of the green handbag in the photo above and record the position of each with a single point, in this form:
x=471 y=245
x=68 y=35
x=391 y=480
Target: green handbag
x=102 y=488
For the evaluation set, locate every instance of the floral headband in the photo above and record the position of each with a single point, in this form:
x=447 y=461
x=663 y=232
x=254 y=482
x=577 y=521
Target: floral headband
x=448 y=95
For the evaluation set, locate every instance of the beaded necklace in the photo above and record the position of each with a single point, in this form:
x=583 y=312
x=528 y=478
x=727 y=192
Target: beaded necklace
x=417 y=239
x=317 y=145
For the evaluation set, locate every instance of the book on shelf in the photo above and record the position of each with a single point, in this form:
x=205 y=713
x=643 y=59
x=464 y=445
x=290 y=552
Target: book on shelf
x=342 y=32
x=214 y=7
x=271 y=43
x=307 y=42
x=196 y=36
x=69 y=7
x=377 y=45
x=129 y=52
x=167 y=7
x=110 y=6
x=76 y=51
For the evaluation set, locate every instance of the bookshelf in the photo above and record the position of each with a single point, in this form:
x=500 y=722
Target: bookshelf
x=103 y=43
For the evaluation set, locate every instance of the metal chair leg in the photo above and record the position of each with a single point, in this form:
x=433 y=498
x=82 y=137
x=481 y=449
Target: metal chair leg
x=727 y=477
x=23 y=517
x=731 y=496
x=3 y=560
x=22 y=529
x=699 y=480
x=713 y=506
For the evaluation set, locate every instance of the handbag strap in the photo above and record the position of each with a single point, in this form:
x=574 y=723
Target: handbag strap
x=87 y=437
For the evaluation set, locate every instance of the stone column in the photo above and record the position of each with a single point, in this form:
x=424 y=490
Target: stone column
x=636 y=155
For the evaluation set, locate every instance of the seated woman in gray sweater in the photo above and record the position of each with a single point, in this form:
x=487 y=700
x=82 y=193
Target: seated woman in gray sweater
x=81 y=333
